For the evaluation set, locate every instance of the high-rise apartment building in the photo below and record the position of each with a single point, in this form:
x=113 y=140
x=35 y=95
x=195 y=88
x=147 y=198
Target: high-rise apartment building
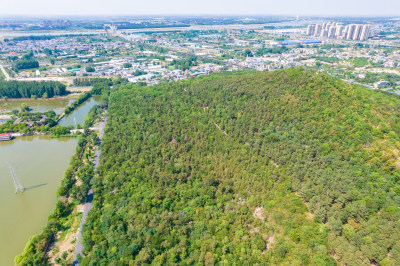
x=339 y=31
x=318 y=29
x=310 y=29
x=332 y=32
x=365 y=33
x=357 y=32
x=350 y=32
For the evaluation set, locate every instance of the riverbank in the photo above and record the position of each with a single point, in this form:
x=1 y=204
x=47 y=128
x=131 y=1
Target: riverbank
x=15 y=135
x=88 y=204
x=41 y=99
x=36 y=105
x=77 y=115
x=59 y=234
x=39 y=163
x=22 y=125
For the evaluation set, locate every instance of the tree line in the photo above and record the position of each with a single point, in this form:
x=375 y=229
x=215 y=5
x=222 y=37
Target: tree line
x=37 y=247
x=90 y=81
x=28 y=89
x=25 y=64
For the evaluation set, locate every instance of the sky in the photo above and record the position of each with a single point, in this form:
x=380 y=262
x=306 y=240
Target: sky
x=202 y=7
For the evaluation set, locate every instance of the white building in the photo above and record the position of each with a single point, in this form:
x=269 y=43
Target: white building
x=332 y=32
x=365 y=33
x=338 y=31
x=357 y=32
x=310 y=29
x=350 y=32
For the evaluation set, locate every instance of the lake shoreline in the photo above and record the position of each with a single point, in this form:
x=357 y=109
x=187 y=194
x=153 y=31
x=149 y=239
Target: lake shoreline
x=40 y=162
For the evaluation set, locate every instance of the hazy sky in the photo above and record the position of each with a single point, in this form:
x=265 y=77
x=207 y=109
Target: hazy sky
x=199 y=7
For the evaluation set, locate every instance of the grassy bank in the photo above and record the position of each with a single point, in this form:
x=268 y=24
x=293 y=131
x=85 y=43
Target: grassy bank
x=72 y=192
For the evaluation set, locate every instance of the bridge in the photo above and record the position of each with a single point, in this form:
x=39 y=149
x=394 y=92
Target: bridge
x=17 y=184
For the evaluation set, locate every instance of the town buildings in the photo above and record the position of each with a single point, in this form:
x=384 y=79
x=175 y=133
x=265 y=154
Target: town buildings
x=356 y=32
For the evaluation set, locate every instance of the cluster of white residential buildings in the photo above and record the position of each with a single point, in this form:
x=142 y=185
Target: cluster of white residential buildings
x=358 y=32
x=61 y=44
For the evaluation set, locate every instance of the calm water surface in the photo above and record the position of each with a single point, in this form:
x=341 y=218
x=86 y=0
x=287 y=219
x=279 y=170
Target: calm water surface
x=39 y=162
x=39 y=105
x=80 y=113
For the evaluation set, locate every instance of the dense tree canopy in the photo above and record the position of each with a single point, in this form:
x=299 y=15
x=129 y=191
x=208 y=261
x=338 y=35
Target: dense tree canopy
x=289 y=167
x=215 y=169
x=186 y=63
x=25 y=64
x=90 y=81
x=27 y=89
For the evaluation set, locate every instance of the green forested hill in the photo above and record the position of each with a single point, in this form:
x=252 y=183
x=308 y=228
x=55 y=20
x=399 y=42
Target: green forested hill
x=286 y=167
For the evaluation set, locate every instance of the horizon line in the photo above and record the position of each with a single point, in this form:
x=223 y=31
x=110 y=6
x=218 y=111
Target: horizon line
x=198 y=15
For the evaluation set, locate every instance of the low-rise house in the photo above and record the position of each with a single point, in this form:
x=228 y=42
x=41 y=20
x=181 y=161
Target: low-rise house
x=381 y=83
x=5 y=136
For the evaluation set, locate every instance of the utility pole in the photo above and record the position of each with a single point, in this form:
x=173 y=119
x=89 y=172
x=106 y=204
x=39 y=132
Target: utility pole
x=17 y=184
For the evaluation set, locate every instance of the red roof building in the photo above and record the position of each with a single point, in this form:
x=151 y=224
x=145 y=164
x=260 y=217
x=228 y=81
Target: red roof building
x=5 y=136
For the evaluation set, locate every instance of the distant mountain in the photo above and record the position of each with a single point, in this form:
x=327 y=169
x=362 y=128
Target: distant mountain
x=287 y=167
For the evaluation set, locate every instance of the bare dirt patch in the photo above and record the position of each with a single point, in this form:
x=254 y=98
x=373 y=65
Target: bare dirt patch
x=80 y=207
x=270 y=241
x=259 y=213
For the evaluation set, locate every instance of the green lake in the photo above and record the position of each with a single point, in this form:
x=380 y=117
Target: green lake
x=40 y=163
x=38 y=105
x=79 y=114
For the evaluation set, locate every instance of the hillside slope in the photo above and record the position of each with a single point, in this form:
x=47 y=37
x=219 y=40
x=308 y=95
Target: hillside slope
x=279 y=167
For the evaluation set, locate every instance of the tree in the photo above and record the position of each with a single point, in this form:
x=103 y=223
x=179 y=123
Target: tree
x=90 y=69
x=127 y=65
x=25 y=89
x=25 y=107
x=25 y=64
x=139 y=73
x=248 y=53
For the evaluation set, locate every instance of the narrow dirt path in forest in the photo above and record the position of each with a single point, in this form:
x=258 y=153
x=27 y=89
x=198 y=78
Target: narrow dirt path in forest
x=220 y=129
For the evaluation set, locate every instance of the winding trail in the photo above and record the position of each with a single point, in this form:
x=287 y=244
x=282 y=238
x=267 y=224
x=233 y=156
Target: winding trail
x=88 y=204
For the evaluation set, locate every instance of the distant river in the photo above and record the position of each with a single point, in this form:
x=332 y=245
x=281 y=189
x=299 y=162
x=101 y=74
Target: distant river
x=43 y=33
x=39 y=162
x=132 y=31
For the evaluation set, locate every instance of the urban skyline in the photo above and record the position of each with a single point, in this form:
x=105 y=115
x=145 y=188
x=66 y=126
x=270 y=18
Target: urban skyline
x=356 y=32
x=222 y=7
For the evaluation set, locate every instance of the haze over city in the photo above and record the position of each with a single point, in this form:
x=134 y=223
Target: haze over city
x=218 y=7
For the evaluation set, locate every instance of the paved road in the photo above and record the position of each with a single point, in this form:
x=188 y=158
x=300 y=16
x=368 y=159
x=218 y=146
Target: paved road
x=61 y=79
x=88 y=204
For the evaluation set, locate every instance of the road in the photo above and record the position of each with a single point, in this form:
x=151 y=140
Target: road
x=60 y=79
x=88 y=204
x=68 y=80
x=5 y=72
